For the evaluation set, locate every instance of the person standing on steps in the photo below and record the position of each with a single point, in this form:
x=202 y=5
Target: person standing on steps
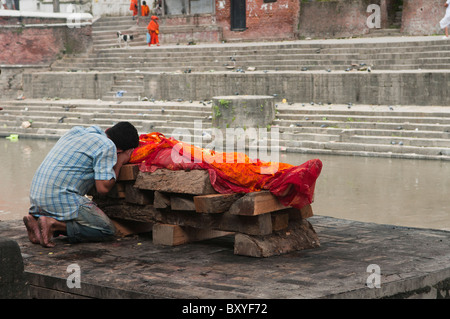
x=81 y=159
x=134 y=7
x=445 y=22
x=145 y=10
x=153 y=30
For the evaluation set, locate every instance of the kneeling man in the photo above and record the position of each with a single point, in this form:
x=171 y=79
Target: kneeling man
x=82 y=158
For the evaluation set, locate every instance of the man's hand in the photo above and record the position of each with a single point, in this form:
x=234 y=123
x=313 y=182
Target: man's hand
x=123 y=157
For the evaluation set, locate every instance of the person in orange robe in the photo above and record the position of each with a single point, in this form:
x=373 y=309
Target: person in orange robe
x=134 y=7
x=145 y=10
x=153 y=30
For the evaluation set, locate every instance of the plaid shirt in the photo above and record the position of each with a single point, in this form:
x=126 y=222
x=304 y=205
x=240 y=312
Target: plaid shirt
x=69 y=171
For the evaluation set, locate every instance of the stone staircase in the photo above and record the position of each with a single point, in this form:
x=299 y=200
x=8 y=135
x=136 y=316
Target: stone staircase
x=295 y=56
x=51 y=118
x=315 y=55
x=406 y=132
x=384 y=131
x=399 y=131
x=127 y=87
x=104 y=32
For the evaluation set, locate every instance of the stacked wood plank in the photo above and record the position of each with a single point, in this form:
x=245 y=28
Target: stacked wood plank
x=183 y=207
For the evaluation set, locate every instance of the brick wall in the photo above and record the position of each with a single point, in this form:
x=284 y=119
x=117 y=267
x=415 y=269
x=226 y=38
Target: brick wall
x=37 y=41
x=334 y=19
x=421 y=17
x=264 y=21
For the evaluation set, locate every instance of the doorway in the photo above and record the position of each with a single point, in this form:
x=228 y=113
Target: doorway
x=238 y=15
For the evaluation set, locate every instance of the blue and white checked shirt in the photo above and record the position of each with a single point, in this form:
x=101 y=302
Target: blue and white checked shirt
x=69 y=171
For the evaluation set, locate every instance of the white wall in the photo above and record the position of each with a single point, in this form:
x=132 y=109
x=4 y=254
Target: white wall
x=95 y=7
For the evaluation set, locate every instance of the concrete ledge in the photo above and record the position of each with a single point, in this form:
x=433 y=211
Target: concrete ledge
x=376 y=88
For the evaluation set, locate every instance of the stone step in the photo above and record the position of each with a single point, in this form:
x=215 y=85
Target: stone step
x=417 y=142
x=281 y=65
x=353 y=149
x=378 y=138
x=375 y=125
x=148 y=54
x=437 y=134
x=372 y=118
x=273 y=53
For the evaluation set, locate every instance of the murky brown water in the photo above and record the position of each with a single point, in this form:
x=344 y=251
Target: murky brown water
x=414 y=193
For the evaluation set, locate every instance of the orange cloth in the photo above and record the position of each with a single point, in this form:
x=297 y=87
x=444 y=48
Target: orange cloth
x=153 y=29
x=293 y=185
x=145 y=10
x=134 y=7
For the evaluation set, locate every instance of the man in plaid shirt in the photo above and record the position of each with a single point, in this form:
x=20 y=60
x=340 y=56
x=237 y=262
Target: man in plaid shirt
x=81 y=159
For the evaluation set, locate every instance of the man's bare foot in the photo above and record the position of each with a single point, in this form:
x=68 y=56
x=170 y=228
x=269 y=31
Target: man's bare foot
x=33 y=229
x=47 y=226
x=46 y=230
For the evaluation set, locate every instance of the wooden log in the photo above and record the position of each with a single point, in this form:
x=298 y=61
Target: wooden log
x=128 y=172
x=299 y=235
x=182 y=202
x=161 y=200
x=195 y=182
x=126 y=211
x=256 y=203
x=215 y=203
x=137 y=196
x=172 y=235
x=126 y=227
x=306 y=211
x=253 y=225
x=280 y=220
x=118 y=191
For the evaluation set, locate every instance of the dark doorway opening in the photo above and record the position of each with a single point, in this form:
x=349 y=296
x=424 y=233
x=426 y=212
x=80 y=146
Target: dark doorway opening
x=238 y=15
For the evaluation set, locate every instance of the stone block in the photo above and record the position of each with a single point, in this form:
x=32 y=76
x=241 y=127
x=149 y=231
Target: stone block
x=12 y=280
x=243 y=111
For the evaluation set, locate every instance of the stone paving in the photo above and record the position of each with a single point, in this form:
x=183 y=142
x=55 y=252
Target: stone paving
x=413 y=263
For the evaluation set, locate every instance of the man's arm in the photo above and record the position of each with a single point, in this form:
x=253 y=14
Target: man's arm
x=103 y=187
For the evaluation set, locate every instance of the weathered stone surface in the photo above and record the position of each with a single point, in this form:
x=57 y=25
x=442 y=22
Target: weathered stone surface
x=243 y=111
x=412 y=261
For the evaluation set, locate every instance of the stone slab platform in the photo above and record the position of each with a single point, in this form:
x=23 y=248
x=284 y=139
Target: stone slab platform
x=414 y=263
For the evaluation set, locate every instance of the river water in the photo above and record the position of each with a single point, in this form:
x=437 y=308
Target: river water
x=402 y=192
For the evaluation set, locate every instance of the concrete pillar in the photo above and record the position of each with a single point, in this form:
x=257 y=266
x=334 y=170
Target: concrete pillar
x=243 y=111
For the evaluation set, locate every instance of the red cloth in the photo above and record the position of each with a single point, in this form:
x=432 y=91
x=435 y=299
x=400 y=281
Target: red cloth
x=292 y=185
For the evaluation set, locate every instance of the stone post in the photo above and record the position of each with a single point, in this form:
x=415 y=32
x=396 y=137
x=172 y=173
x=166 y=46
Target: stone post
x=243 y=111
x=12 y=280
